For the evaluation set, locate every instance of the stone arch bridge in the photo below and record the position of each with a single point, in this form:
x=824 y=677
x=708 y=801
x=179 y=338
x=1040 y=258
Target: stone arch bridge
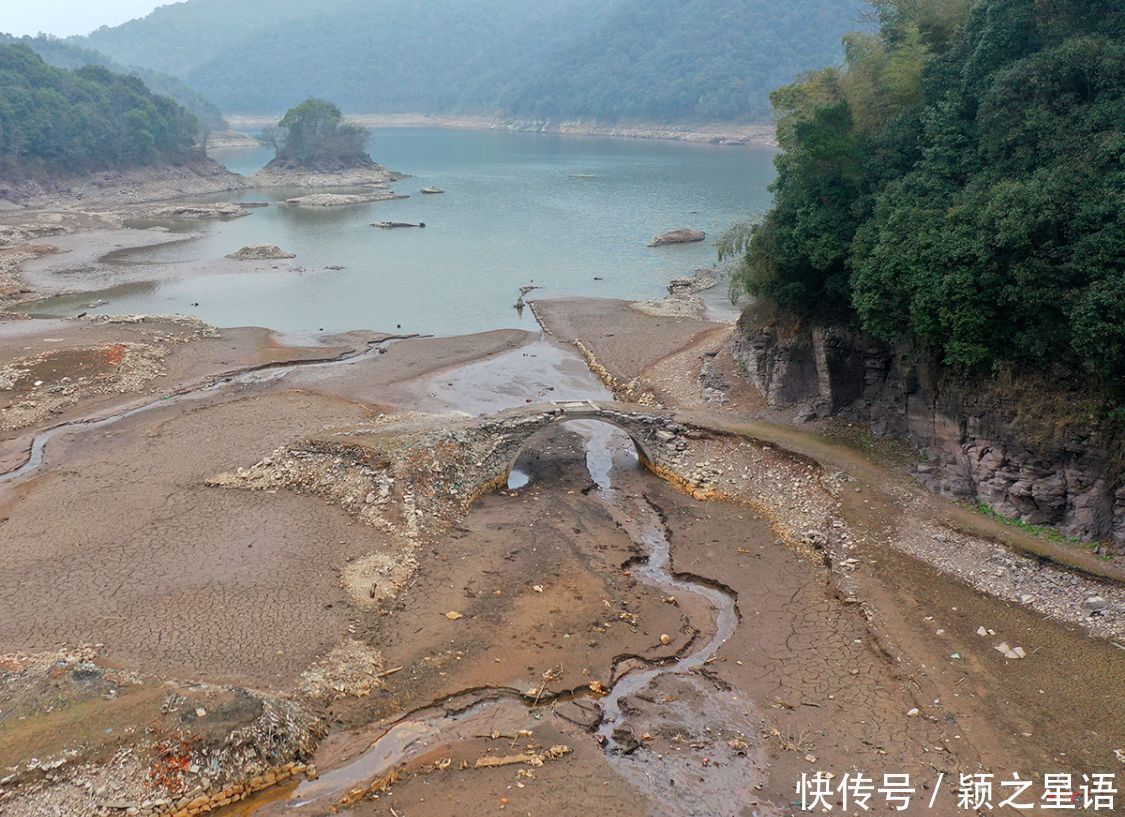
x=412 y=476
x=657 y=435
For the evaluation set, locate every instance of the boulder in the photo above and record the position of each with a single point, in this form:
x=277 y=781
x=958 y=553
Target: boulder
x=678 y=237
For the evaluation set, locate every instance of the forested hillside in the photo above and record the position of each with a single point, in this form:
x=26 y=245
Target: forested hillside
x=666 y=60
x=63 y=54
x=685 y=59
x=959 y=188
x=58 y=121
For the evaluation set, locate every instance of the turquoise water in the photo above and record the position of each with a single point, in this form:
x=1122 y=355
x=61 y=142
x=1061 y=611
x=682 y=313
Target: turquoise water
x=513 y=214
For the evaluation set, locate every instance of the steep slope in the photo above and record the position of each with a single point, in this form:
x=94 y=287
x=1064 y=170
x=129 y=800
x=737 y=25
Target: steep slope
x=57 y=121
x=961 y=189
x=687 y=59
x=945 y=254
x=63 y=54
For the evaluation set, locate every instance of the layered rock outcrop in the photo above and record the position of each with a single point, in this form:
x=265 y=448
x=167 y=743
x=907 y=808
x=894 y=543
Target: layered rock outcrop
x=975 y=446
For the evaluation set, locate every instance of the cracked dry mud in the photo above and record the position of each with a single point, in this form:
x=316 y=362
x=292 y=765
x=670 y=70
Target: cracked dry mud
x=476 y=685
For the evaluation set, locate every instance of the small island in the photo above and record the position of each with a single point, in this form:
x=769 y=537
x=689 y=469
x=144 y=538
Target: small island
x=316 y=147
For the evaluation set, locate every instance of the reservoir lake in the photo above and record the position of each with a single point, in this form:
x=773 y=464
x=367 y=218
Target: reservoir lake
x=570 y=215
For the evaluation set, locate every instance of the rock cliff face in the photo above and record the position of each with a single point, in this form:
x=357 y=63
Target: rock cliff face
x=973 y=449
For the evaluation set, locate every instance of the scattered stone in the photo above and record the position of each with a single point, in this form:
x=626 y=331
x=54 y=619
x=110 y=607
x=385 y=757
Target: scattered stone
x=1010 y=652
x=432 y=191
x=665 y=639
x=914 y=713
x=624 y=737
x=260 y=252
x=679 y=305
x=351 y=669
x=453 y=615
x=361 y=173
x=1095 y=604
x=201 y=211
x=342 y=199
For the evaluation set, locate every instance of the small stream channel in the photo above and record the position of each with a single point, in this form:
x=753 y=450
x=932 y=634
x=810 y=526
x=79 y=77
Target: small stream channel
x=265 y=374
x=467 y=715
x=644 y=525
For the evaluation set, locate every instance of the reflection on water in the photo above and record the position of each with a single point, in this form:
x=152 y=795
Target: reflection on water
x=517 y=479
x=513 y=214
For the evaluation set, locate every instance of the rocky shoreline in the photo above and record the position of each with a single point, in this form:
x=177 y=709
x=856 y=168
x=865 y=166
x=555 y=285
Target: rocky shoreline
x=119 y=188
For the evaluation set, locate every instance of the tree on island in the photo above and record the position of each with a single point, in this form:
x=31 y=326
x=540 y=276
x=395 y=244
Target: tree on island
x=314 y=136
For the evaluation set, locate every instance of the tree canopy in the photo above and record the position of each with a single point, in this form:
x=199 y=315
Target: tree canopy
x=959 y=185
x=64 y=54
x=315 y=135
x=59 y=121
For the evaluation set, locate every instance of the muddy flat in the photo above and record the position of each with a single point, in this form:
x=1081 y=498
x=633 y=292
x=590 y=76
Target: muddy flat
x=328 y=577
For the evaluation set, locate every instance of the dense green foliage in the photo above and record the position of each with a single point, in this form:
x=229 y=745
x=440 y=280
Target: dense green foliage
x=685 y=59
x=64 y=54
x=315 y=135
x=664 y=60
x=53 y=120
x=960 y=186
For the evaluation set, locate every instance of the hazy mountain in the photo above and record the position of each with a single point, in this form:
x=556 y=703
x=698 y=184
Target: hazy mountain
x=176 y=38
x=671 y=60
x=64 y=54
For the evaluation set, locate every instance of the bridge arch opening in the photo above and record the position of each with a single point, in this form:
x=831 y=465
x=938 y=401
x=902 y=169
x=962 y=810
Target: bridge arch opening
x=603 y=438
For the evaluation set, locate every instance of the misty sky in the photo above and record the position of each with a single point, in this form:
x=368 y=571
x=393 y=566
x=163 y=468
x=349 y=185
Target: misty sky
x=66 y=17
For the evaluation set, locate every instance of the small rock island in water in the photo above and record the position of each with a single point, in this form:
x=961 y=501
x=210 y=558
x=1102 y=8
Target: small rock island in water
x=316 y=147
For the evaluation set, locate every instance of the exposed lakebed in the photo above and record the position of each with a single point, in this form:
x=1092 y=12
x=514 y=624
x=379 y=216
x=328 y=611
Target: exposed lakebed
x=570 y=215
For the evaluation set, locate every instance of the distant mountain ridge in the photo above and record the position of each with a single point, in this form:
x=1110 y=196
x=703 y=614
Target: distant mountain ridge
x=614 y=60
